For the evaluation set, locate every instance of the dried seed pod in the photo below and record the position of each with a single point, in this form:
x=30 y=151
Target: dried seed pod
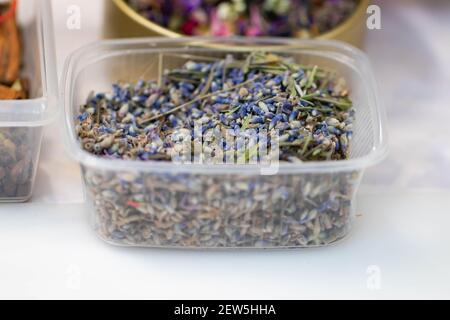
x=10 y=51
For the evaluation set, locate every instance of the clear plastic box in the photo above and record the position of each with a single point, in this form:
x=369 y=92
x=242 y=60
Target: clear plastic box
x=22 y=121
x=162 y=204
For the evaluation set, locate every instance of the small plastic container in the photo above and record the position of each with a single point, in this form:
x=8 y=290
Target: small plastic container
x=22 y=121
x=162 y=204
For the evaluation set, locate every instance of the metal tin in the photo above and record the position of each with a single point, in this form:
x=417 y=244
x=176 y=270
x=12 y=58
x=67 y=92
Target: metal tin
x=123 y=22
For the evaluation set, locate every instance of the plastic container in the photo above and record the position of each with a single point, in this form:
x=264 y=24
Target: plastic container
x=157 y=204
x=22 y=121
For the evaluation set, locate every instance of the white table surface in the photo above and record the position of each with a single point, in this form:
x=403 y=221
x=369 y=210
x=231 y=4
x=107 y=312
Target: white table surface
x=400 y=245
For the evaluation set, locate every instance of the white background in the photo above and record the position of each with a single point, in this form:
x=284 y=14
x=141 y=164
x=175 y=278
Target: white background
x=400 y=246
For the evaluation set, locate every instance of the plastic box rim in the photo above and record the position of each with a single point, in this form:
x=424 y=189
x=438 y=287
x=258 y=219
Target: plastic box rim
x=377 y=154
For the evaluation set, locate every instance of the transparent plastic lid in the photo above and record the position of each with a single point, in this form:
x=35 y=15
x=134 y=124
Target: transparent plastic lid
x=97 y=66
x=39 y=67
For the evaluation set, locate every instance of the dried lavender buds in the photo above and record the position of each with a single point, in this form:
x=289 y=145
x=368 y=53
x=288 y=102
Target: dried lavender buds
x=11 y=86
x=307 y=107
x=221 y=211
x=305 y=113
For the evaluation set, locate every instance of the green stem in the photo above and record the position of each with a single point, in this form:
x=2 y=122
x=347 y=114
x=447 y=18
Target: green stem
x=311 y=78
x=184 y=105
x=340 y=104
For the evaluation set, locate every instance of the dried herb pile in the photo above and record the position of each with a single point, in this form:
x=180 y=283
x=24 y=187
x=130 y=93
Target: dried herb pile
x=308 y=107
x=11 y=86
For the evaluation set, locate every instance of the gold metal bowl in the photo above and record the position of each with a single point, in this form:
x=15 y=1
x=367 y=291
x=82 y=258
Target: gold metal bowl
x=124 y=22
